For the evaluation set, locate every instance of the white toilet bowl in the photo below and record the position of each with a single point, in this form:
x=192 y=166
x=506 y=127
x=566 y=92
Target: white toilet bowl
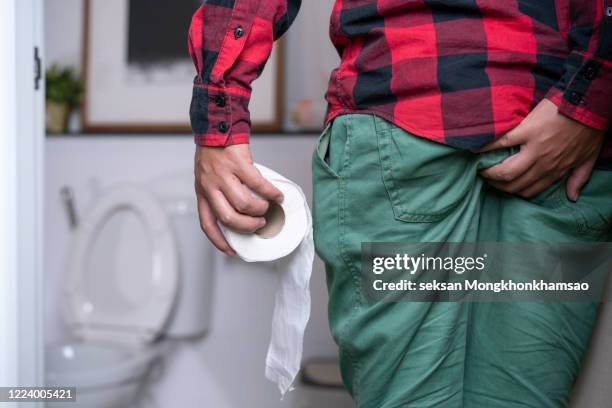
x=104 y=375
x=115 y=312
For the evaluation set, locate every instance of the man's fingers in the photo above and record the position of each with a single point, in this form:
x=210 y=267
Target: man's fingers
x=533 y=182
x=531 y=188
x=524 y=181
x=578 y=178
x=511 y=168
x=208 y=223
x=242 y=199
x=259 y=184
x=536 y=187
x=515 y=137
x=229 y=217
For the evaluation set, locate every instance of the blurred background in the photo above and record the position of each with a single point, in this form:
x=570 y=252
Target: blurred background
x=118 y=92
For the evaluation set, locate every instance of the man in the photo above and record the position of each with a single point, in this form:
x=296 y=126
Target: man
x=448 y=121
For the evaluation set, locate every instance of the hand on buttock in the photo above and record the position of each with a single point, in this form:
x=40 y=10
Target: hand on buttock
x=551 y=145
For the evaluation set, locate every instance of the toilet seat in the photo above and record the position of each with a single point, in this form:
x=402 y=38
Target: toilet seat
x=112 y=312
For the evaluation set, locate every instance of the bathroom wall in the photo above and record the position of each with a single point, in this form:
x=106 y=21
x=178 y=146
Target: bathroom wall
x=225 y=368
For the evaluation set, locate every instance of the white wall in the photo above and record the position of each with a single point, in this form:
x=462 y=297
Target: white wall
x=225 y=369
x=310 y=57
x=63 y=31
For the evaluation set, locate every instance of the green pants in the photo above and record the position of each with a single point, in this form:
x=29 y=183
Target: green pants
x=374 y=182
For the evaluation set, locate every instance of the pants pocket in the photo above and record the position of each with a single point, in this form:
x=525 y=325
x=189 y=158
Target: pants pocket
x=331 y=153
x=325 y=196
x=425 y=181
x=328 y=160
x=321 y=154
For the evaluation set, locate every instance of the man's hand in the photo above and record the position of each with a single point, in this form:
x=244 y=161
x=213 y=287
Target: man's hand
x=550 y=145
x=225 y=178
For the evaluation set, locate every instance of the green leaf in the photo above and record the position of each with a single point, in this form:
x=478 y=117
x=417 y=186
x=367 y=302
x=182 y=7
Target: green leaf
x=63 y=85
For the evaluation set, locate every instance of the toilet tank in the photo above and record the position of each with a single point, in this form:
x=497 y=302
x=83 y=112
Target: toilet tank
x=191 y=315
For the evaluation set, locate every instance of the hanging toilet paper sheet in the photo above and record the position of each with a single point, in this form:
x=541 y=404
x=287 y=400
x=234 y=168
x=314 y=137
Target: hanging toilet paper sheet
x=287 y=241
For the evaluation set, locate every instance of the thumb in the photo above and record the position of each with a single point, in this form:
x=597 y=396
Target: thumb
x=253 y=179
x=578 y=178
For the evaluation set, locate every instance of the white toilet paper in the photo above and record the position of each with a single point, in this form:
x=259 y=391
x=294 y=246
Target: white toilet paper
x=289 y=243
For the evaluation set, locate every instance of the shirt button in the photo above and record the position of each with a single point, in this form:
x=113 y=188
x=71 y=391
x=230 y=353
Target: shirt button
x=575 y=98
x=220 y=101
x=238 y=32
x=223 y=127
x=589 y=73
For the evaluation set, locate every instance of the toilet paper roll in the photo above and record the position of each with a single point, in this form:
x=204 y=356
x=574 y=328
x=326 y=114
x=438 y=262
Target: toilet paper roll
x=287 y=241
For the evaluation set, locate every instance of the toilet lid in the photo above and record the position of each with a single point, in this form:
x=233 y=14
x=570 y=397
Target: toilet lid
x=122 y=271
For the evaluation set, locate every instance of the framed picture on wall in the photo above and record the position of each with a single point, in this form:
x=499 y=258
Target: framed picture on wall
x=138 y=74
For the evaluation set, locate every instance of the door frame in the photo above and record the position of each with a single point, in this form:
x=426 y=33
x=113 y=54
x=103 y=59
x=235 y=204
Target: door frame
x=21 y=195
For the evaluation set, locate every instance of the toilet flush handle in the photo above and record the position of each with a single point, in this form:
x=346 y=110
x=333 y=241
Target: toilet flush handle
x=68 y=198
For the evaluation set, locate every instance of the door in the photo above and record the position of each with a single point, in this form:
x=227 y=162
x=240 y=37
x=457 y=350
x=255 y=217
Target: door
x=21 y=160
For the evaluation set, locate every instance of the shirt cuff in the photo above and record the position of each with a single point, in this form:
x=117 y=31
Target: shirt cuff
x=220 y=115
x=586 y=96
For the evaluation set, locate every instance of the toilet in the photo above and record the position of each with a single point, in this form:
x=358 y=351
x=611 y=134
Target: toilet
x=125 y=291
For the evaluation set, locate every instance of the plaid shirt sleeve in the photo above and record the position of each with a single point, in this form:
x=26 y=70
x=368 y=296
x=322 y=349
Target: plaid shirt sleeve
x=585 y=89
x=230 y=42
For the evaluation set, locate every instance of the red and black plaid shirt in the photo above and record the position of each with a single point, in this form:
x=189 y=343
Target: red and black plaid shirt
x=459 y=72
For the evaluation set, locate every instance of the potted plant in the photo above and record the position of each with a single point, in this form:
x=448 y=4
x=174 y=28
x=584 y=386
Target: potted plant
x=64 y=90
